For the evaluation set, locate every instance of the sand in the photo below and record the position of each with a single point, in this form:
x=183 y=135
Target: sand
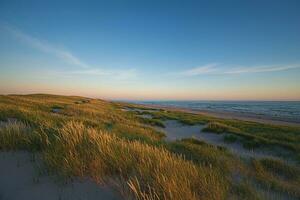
x=19 y=179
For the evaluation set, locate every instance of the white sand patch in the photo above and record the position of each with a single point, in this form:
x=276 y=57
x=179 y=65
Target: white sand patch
x=19 y=179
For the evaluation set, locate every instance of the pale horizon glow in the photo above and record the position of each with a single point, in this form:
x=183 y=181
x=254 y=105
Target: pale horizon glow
x=139 y=51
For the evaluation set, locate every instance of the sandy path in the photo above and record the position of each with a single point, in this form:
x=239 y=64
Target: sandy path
x=19 y=179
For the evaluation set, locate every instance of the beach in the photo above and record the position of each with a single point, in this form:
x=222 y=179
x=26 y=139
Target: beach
x=84 y=148
x=231 y=115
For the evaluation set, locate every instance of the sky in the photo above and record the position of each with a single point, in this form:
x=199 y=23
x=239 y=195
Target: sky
x=152 y=50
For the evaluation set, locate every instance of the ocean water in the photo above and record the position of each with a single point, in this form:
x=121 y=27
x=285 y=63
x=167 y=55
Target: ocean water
x=282 y=110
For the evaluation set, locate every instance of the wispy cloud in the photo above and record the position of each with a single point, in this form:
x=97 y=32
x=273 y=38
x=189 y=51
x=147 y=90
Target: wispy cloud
x=46 y=47
x=259 y=69
x=118 y=74
x=205 y=69
x=216 y=69
x=68 y=57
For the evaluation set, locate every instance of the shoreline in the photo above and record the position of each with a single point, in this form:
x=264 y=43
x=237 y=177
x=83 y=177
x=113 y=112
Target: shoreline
x=229 y=115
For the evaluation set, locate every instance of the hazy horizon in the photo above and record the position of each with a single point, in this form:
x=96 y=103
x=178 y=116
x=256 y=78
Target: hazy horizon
x=155 y=50
x=155 y=100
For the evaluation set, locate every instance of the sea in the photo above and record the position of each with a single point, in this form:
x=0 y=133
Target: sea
x=280 y=110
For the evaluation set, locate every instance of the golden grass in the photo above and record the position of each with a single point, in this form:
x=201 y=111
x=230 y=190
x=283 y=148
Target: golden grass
x=150 y=172
x=13 y=135
x=97 y=139
x=276 y=179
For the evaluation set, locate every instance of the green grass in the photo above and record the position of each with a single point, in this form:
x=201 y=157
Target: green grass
x=230 y=138
x=217 y=127
x=281 y=169
x=96 y=139
x=245 y=191
x=152 y=122
x=250 y=134
x=204 y=154
x=276 y=175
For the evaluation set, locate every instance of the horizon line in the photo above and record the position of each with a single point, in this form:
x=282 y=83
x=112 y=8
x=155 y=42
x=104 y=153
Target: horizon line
x=152 y=100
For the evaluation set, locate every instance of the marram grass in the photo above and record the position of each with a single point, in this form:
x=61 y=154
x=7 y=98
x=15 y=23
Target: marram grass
x=149 y=172
x=97 y=139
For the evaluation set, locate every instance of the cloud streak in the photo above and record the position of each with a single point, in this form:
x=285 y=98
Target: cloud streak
x=68 y=57
x=217 y=69
x=260 y=69
x=118 y=74
x=206 y=69
x=46 y=47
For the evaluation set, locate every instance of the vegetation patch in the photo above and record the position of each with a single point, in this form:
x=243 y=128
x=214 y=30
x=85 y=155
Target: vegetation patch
x=250 y=143
x=100 y=141
x=267 y=174
x=147 y=171
x=152 y=122
x=229 y=138
x=217 y=127
x=204 y=154
x=19 y=136
x=245 y=191
x=281 y=169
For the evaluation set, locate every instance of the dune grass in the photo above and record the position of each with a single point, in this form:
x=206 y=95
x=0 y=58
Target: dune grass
x=204 y=154
x=230 y=138
x=20 y=136
x=152 y=122
x=78 y=151
x=250 y=134
x=13 y=135
x=95 y=138
x=217 y=127
x=276 y=175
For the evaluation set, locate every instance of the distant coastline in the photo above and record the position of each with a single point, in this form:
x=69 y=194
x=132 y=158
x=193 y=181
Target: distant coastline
x=225 y=114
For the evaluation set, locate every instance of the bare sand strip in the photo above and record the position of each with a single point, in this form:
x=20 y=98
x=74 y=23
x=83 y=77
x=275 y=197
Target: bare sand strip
x=20 y=179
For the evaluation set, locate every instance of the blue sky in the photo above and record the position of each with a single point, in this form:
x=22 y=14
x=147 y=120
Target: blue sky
x=220 y=50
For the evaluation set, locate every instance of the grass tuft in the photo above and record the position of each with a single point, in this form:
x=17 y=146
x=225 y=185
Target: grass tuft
x=229 y=138
x=217 y=127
